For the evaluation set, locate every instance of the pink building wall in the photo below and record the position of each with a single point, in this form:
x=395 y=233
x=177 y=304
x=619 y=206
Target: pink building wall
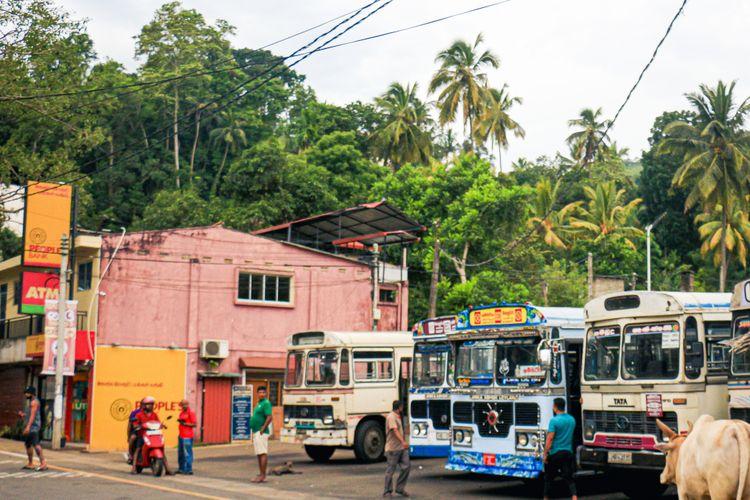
x=178 y=287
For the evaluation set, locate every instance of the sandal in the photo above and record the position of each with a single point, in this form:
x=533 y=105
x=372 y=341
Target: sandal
x=28 y=467
x=42 y=468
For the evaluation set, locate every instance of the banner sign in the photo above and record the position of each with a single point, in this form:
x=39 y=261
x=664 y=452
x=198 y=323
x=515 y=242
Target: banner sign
x=36 y=288
x=654 y=407
x=435 y=326
x=516 y=315
x=46 y=219
x=51 y=345
x=242 y=409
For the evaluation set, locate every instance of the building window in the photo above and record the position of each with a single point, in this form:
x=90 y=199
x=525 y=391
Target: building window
x=84 y=276
x=16 y=292
x=264 y=288
x=387 y=296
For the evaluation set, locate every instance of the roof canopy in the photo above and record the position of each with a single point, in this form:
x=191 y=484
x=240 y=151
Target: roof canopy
x=354 y=228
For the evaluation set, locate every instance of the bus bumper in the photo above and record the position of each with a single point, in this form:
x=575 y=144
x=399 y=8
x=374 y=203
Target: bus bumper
x=315 y=437
x=602 y=459
x=498 y=464
x=429 y=450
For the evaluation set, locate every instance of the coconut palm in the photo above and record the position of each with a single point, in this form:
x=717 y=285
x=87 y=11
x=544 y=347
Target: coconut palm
x=232 y=135
x=551 y=224
x=403 y=136
x=725 y=231
x=715 y=161
x=605 y=217
x=591 y=138
x=494 y=122
x=461 y=79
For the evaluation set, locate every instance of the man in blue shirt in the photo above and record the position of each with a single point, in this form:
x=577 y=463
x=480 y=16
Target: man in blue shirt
x=558 y=450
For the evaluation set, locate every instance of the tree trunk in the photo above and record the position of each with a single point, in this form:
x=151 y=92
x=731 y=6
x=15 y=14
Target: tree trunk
x=724 y=263
x=176 y=131
x=435 y=276
x=460 y=264
x=500 y=158
x=195 y=141
x=215 y=185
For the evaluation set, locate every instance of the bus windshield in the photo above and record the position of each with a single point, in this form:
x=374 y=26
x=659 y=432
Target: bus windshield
x=741 y=358
x=602 y=353
x=517 y=362
x=430 y=362
x=651 y=351
x=476 y=359
x=321 y=367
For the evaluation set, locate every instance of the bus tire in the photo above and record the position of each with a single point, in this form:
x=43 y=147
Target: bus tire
x=319 y=454
x=369 y=442
x=641 y=486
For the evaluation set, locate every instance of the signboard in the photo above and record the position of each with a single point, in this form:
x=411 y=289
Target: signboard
x=122 y=377
x=36 y=288
x=46 y=219
x=242 y=410
x=497 y=316
x=436 y=326
x=654 y=406
x=51 y=345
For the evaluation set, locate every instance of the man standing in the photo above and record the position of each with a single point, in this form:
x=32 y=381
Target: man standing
x=558 y=450
x=185 y=442
x=396 y=451
x=259 y=422
x=32 y=425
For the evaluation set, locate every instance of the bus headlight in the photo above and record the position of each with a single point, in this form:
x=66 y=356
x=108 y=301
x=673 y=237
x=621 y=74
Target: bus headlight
x=419 y=430
x=328 y=419
x=527 y=440
x=463 y=437
x=286 y=420
x=522 y=439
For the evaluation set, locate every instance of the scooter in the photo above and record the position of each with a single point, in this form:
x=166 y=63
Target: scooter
x=152 y=452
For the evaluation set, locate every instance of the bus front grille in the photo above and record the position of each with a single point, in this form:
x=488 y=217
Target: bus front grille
x=308 y=411
x=527 y=414
x=419 y=409
x=440 y=413
x=493 y=419
x=627 y=422
x=462 y=412
x=740 y=414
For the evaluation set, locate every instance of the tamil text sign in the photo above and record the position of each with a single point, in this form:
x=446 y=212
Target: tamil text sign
x=46 y=219
x=497 y=316
x=36 y=288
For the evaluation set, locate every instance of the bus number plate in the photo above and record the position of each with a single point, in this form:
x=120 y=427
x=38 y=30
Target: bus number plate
x=620 y=457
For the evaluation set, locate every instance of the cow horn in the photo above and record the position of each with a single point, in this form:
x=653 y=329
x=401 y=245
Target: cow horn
x=690 y=426
x=668 y=433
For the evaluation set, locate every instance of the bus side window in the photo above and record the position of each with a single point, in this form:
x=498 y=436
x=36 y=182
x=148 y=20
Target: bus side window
x=693 y=349
x=344 y=376
x=718 y=354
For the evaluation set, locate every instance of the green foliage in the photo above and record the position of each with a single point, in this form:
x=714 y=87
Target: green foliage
x=566 y=285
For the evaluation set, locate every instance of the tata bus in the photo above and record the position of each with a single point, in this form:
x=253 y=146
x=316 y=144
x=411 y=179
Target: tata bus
x=339 y=387
x=512 y=361
x=429 y=394
x=649 y=355
x=739 y=376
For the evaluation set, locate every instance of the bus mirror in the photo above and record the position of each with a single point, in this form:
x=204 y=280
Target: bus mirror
x=545 y=357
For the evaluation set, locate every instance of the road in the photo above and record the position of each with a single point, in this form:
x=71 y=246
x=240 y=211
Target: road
x=225 y=471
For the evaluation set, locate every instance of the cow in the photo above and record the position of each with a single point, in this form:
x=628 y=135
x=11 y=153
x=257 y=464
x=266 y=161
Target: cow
x=711 y=461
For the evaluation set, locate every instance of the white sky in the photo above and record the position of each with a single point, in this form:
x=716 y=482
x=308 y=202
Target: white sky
x=559 y=56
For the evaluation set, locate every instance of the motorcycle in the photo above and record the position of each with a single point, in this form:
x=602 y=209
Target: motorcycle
x=152 y=451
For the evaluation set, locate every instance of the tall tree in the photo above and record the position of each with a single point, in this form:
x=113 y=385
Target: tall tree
x=495 y=123
x=403 y=135
x=551 y=224
x=461 y=79
x=606 y=215
x=714 y=152
x=725 y=231
x=588 y=141
x=232 y=136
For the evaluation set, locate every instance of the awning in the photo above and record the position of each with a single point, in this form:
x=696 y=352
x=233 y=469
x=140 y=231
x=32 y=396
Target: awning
x=262 y=362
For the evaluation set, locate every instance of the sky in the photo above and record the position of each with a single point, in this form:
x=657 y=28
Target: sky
x=558 y=56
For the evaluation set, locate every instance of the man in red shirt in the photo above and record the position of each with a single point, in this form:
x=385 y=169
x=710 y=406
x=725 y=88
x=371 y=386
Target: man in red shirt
x=187 y=428
x=147 y=414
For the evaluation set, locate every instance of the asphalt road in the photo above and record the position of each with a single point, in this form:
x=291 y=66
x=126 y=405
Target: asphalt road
x=225 y=471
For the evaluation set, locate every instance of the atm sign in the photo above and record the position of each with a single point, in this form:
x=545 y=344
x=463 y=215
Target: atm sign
x=493 y=316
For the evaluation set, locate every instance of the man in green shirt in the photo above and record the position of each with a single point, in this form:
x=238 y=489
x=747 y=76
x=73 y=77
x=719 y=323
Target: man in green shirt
x=259 y=422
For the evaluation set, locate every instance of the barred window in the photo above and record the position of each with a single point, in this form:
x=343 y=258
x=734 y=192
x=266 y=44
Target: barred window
x=264 y=288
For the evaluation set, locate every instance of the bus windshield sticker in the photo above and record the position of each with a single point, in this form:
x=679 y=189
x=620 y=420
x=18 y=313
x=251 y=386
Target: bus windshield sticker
x=670 y=340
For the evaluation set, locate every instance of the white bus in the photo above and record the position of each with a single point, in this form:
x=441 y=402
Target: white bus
x=339 y=387
x=649 y=355
x=512 y=361
x=739 y=376
x=429 y=394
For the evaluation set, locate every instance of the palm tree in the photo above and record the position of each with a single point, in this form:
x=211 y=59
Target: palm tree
x=588 y=142
x=403 y=136
x=715 y=155
x=551 y=224
x=605 y=217
x=461 y=80
x=232 y=135
x=495 y=122
x=725 y=231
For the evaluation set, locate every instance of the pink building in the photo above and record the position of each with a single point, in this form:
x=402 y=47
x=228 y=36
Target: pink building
x=176 y=289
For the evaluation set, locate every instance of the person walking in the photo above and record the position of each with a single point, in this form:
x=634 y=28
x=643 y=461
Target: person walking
x=32 y=425
x=185 y=441
x=558 y=450
x=396 y=451
x=259 y=424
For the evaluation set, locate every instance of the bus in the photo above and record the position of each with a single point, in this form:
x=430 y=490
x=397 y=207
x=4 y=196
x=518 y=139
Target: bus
x=739 y=375
x=339 y=387
x=649 y=355
x=429 y=394
x=512 y=361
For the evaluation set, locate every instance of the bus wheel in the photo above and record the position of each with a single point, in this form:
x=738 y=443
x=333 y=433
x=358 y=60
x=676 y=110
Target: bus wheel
x=320 y=454
x=642 y=486
x=369 y=442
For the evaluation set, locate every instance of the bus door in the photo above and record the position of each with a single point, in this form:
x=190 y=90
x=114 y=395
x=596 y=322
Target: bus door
x=404 y=376
x=573 y=385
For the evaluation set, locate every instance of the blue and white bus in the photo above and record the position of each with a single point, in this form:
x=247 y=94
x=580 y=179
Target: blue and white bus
x=429 y=394
x=512 y=361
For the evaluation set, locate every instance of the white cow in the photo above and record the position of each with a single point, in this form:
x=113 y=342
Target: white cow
x=712 y=461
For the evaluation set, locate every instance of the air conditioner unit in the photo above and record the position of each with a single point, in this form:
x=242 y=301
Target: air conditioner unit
x=214 y=349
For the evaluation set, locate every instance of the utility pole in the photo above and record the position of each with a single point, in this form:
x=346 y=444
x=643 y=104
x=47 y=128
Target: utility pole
x=58 y=413
x=375 y=286
x=590 y=267
x=432 y=310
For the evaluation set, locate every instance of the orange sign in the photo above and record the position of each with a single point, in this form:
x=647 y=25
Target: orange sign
x=46 y=219
x=497 y=316
x=35 y=345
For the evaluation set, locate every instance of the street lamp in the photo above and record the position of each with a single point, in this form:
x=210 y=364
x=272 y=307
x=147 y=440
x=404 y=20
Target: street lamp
x=648 y=249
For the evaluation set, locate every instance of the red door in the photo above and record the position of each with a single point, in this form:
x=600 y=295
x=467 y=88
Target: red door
x=217 y=410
